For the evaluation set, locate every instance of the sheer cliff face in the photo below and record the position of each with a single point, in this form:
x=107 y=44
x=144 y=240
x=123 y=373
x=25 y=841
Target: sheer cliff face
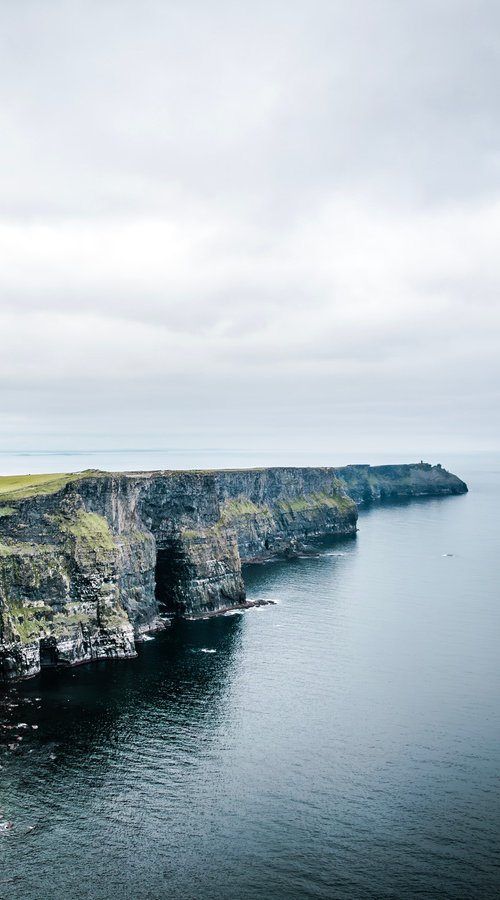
x=366 y=484
x=89 y=562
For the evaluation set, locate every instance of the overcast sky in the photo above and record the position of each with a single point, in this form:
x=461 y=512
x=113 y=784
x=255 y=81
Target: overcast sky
x=250 y=224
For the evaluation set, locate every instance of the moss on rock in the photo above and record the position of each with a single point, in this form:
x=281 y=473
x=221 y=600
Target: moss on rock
x=240 y=506
x=25 y=548
x=28 y=623
x=316 y=501
x=88 y=528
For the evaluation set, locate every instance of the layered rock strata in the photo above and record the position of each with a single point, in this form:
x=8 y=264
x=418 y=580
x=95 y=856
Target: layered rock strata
x=89 y=562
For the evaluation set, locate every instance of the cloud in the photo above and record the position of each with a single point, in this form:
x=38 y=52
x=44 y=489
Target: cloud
x=259 y=220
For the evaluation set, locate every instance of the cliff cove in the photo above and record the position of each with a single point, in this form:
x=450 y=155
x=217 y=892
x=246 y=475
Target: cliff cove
x=89 y=562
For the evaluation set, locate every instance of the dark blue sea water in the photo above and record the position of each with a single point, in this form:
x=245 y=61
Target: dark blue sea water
x=343 y=743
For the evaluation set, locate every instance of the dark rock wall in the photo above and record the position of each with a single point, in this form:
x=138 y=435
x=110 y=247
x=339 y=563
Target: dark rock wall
x=274 y=510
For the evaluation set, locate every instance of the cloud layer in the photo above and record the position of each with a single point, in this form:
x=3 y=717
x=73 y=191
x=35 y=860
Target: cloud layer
x=250 y=224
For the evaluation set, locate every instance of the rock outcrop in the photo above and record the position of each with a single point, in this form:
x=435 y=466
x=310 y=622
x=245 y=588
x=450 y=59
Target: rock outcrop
x=89 y=562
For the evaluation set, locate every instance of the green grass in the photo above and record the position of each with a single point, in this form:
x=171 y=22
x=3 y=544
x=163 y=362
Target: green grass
x=18 y=548
x=18 y=487
x=89 y=528
x=27 y=626
x=318 y=500
x=6 y=511
x=232 y=509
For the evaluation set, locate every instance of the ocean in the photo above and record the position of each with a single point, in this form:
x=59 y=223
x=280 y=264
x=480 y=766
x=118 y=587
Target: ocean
x=342 y=742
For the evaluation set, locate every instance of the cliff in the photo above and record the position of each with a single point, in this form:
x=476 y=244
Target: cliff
x=366 y=484
x=88 y=561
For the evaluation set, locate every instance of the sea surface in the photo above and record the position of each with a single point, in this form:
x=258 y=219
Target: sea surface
x=341 y=743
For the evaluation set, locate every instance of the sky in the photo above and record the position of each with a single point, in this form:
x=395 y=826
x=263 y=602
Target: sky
x=264 y=225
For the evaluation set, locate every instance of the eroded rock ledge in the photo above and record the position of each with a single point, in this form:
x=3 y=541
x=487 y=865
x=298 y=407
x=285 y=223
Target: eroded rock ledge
x=89 y=562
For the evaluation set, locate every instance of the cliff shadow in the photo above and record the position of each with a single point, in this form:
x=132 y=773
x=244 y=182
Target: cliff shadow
x=393 y=501
x=184 y=672
x=169 y=570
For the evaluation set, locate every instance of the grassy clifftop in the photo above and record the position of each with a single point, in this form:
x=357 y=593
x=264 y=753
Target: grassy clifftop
x=18 y=487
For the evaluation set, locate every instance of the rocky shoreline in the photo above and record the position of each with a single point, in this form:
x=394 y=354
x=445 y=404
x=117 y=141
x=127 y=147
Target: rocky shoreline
x=237 y=607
